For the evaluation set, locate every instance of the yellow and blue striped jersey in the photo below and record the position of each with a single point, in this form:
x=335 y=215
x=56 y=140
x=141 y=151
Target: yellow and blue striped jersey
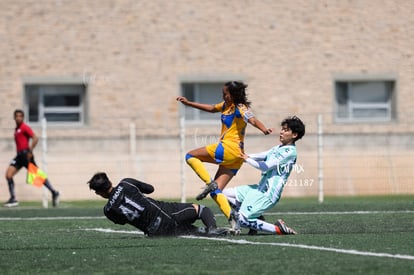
x=233 y=122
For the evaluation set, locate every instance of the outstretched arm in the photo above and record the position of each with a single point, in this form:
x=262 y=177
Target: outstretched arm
x=204 y=107
x=258 y=160
x=281 y=158
x=259 y=125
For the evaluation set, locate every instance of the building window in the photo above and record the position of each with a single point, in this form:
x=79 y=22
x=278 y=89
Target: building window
x=364 y=101
x=208 y=93
x=60 y=104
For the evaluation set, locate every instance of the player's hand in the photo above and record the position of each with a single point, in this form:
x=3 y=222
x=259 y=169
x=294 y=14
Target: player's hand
x=182 y=99
x=29 y=156
x=244 y=156
x=268 y=131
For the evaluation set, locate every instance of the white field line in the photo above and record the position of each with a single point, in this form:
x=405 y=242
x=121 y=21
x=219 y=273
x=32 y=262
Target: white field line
x=267 y=213
x=51 y=218
x=303 y=246
x=344 y=212
x=106 y=230
x=311 y=247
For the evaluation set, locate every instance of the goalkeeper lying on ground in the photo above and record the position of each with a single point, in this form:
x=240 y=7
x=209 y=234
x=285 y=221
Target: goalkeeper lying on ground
x=127 y=204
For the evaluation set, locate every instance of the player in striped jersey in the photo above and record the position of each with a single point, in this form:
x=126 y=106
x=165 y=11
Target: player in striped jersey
x=235 y=114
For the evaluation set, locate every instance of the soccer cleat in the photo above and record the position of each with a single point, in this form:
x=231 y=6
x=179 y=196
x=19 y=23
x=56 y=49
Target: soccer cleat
x=254 y=231
x=209 y=188
x=214 y=232
x=55 y=199
x=283 y=229
x=234 y=223
x=12 y=202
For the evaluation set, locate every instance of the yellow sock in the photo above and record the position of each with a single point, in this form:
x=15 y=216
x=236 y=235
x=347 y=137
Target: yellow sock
x=223 y=204
x=200 y=169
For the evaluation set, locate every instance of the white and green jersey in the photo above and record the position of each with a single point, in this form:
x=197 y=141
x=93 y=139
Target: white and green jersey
x=276 y=165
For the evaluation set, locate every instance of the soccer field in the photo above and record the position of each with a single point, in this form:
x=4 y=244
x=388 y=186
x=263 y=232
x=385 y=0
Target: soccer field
x=366 y=235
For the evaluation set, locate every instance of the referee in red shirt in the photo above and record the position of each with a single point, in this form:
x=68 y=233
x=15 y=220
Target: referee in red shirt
x=22 y=135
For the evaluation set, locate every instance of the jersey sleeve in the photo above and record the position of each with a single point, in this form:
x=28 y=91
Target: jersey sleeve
x=259 y=164
x=282 y=156
x=219 y=106
x=27 y=131
x=142 y=186
x=245 y=112
x=259 y=156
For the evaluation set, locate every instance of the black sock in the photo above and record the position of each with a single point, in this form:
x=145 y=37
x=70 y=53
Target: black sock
x=207 y=217
x=49 y=186
x=11 y=188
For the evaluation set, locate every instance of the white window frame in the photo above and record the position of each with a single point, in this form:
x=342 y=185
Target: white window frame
x=201 y=79
x=196 y=117
x=42 y=109
x=352 y=106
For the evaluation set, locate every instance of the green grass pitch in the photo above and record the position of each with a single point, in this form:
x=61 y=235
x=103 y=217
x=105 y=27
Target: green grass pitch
x=346 y=235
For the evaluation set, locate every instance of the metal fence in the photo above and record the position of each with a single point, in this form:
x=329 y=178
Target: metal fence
x=333 y=159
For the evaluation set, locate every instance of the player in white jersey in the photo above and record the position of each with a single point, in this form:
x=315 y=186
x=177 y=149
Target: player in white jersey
x=252 y=201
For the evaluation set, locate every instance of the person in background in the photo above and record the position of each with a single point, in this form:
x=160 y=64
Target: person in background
x=127 y=204
x=275 y=164
x=235 y=114
x=26 y=140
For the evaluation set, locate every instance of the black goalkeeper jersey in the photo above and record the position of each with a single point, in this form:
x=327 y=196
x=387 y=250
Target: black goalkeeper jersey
x=128 y=204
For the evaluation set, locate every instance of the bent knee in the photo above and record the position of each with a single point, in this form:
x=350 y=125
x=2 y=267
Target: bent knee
x=10 y=172
x=188 y=156
x=249 y=217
